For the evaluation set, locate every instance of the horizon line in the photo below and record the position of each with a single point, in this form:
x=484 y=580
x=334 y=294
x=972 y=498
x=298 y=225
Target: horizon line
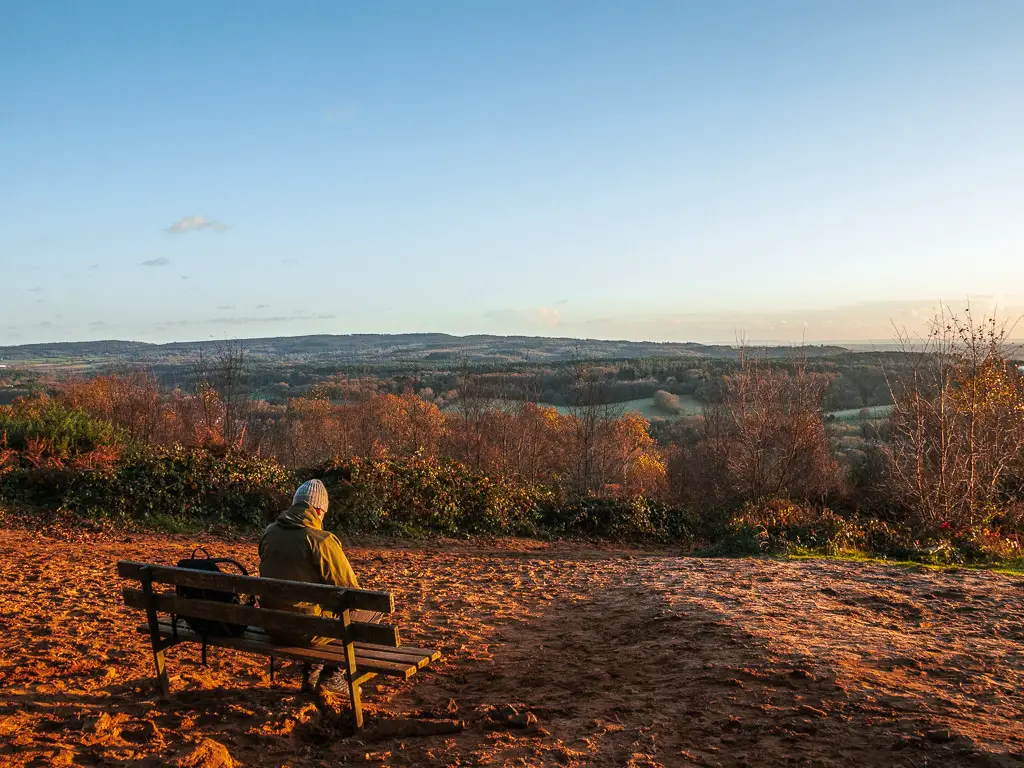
x=730 y=344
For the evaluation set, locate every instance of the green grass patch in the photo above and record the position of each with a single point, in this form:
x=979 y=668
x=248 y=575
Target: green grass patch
x=1013 y=568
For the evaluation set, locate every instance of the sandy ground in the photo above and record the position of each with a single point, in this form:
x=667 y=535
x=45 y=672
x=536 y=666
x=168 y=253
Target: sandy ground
x=625 y=659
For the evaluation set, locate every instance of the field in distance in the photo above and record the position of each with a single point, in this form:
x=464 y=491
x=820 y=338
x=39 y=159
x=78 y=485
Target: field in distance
x=691 y=406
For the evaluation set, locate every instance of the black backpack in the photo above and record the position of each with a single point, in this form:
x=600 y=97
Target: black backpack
x=210 y=627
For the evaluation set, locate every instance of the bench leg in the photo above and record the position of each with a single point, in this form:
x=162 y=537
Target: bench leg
x=159 y=644
x=271 y=669
x=357 y=703
x=306 y=668
x=162 y=683
x=350 y=669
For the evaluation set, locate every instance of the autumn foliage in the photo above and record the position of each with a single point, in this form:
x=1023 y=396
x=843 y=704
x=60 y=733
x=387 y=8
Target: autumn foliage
x=394 y=463
x=759 y=470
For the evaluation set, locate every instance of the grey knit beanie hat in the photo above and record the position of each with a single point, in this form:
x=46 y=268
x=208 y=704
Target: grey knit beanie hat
x=312 y=492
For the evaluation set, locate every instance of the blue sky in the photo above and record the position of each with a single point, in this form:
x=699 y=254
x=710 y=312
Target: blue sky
x=649 y=170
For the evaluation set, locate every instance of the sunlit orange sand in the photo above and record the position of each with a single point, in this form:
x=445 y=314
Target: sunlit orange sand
x=625 y=659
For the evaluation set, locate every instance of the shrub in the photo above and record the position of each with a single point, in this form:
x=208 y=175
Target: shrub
x=422 y=495
x=62 y=429
x=425 y=496
x=635 y=519
x=44 y=485
x=740 y=540
x=781 y=524
x=184 y=484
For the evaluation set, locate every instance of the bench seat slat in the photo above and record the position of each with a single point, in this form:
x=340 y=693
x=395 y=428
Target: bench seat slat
x=421 y=657
x=388 y=668
x=405 y=650
x=247 y=642
x=312 y=653
x=282 y=621
x=335 y=599
x=390 y=656
x=258 y=642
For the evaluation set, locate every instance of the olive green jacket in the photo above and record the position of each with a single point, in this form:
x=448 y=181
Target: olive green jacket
x=295 y=547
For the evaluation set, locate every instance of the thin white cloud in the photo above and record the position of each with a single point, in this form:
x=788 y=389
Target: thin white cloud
x=188 y=224
x=160 y=261
x=548 y=317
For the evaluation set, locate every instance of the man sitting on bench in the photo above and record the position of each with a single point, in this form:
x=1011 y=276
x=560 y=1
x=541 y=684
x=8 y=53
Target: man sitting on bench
x=295 y=547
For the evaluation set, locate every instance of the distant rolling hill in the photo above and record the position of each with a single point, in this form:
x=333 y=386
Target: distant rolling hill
x=429 y=348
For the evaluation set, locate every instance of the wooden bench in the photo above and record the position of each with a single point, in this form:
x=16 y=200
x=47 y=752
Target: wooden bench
x=361 y=648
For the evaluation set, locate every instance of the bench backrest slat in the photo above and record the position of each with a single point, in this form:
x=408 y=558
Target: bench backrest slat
x=335 y=599
x=266 y=618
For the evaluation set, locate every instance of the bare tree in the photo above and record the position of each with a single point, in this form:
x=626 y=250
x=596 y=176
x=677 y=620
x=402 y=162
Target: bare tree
x=765 y=437
x=222 y=394
x=232 y=382
x=591 y=414
x=958 y=422
x=471 y=406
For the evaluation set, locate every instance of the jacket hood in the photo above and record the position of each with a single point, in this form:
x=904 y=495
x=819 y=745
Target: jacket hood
x=301 y=515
